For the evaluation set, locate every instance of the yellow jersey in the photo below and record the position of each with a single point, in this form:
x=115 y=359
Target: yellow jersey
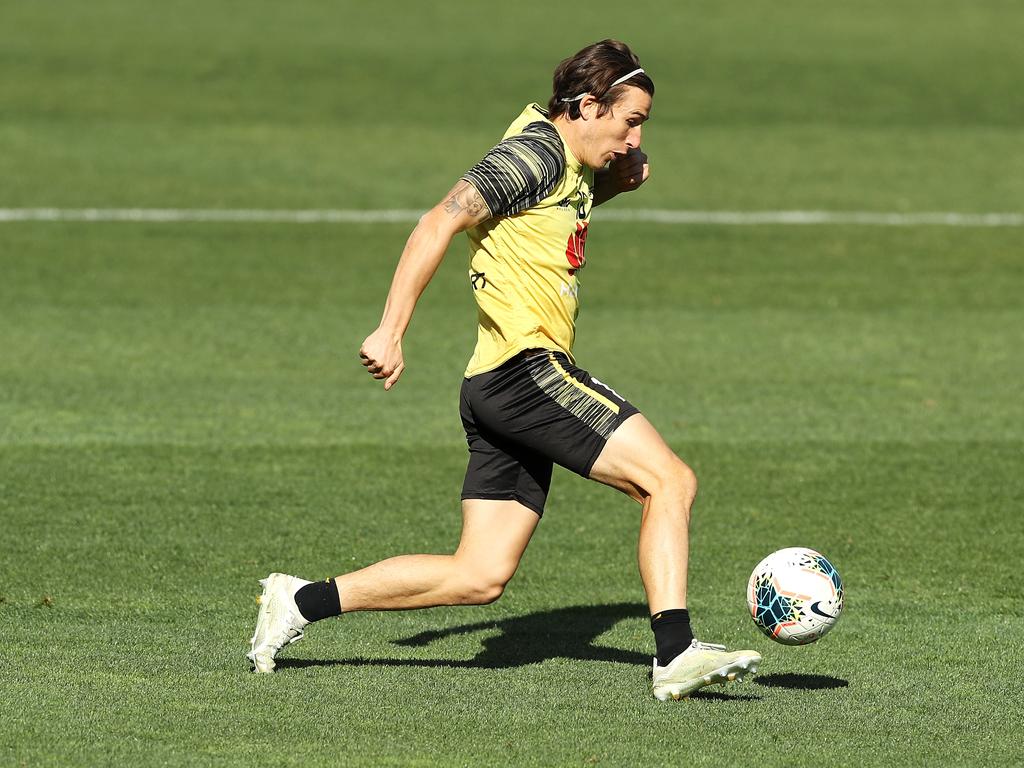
x=525 y=259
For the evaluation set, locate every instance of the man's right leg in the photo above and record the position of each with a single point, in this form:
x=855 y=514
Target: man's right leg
x=494 y=536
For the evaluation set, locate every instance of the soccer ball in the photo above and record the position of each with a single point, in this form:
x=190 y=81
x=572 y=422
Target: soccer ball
x=795 y=595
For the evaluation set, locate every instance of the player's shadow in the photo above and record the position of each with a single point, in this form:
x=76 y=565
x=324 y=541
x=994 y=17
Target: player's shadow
x=564 y=633
x=801 y=682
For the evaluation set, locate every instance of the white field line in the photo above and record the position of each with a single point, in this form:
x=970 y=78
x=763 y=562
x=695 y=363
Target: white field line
x=212 y=214
x=650 y=215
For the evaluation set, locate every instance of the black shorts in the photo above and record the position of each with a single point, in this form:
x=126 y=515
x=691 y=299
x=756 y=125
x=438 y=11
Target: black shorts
x=531 y=411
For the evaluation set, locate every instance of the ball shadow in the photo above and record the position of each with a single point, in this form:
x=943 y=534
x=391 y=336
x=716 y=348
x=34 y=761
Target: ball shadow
x=800 y=682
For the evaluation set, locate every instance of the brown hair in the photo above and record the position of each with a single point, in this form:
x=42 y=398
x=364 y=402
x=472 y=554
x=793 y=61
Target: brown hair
x=592 y=71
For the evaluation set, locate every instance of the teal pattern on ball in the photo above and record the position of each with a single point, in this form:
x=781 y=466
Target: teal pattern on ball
x=821 y=563
x=771 y=608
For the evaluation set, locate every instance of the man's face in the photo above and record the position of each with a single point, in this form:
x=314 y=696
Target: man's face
x=617 y=131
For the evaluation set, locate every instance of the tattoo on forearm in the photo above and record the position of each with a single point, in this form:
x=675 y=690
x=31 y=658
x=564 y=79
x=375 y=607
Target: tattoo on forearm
x=465 y=198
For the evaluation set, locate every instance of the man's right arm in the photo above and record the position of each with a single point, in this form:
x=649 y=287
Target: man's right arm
x=516 y=174
x=462 y=208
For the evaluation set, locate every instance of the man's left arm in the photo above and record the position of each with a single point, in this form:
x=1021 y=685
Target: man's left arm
x=625 y=174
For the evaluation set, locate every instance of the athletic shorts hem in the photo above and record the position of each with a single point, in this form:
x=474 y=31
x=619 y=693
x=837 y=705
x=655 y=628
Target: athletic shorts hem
x=505 y=496
x=592 y=460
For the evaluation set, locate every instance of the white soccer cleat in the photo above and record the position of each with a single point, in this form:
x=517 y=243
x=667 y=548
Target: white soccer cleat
x=278 y=622
x=699 y=665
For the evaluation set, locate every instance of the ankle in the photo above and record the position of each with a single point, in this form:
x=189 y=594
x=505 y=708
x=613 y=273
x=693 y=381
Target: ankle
x=672 y=634
x=318 y=600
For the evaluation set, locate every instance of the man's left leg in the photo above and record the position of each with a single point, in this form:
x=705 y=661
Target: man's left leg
x=638 y=462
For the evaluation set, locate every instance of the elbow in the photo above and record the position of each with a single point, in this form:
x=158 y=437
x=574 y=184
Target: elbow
x=432 y=219
x=440 y=223
x=425 y=219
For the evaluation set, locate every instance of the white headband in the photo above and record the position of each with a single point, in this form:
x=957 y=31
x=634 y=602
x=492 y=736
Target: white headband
x=621 y=80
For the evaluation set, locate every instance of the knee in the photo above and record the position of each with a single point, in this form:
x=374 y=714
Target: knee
x=677 y=479
x=481 y=587
x=687 y=478
x=487 y=592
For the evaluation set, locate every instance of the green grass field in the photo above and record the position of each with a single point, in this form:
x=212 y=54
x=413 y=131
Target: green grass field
x=182 y=411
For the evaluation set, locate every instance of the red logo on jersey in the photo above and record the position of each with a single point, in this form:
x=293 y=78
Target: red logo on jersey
x=574 y=250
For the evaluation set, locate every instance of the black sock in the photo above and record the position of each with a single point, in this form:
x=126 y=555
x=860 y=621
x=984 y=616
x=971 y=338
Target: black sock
x=318 y=600
x=672 y=633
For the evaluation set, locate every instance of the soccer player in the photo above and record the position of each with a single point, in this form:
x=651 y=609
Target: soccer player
x=525 y=404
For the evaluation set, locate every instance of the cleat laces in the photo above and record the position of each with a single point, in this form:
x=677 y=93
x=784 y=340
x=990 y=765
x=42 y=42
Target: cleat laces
x=698 y=645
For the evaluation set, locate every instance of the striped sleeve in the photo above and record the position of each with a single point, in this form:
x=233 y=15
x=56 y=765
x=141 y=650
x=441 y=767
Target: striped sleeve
x=520 y=171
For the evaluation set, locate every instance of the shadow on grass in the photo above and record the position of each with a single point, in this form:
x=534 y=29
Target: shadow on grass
x=565 y=633
x=801 y=682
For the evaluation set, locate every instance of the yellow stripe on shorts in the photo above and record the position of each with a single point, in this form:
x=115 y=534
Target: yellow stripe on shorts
x=589 y=406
